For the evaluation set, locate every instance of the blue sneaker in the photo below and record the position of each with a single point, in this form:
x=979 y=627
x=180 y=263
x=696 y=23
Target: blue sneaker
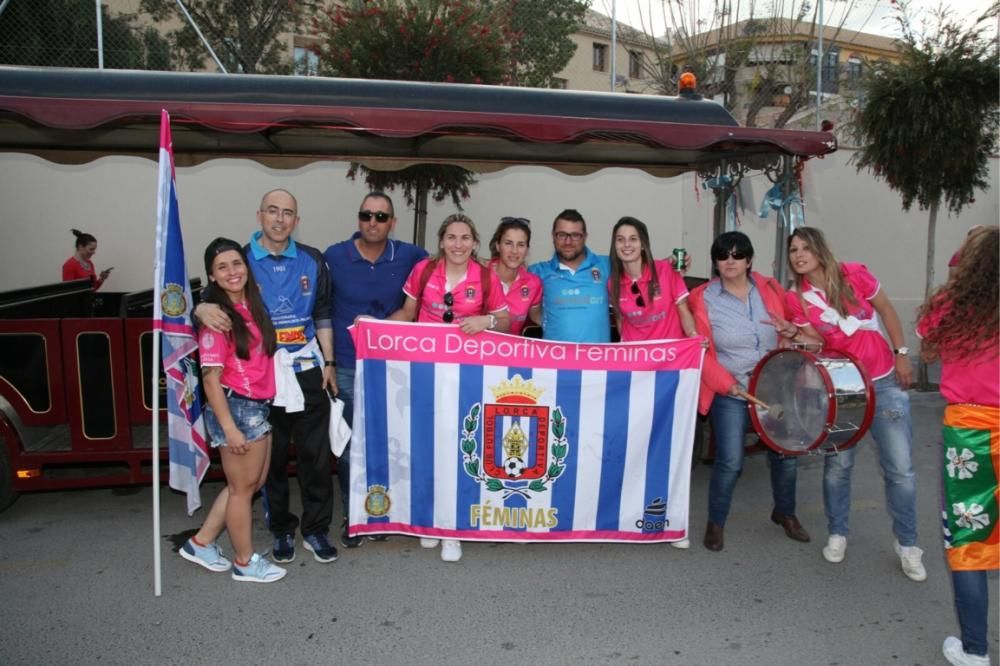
x=321 y=548
x=209 y=556
x=284 y=548
x=258 y=570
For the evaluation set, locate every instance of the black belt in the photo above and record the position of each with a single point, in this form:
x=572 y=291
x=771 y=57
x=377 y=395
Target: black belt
x=230 y=393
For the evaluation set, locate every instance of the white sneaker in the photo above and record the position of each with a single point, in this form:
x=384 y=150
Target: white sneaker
x=683 y=544
x=835 y=548
x=909 y=559
x=955 y=653
x=451 y=550
x=429 y=543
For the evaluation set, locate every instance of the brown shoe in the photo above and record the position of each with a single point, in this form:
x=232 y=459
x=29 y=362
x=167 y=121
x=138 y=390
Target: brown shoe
x=793 y=528
x=713 y=537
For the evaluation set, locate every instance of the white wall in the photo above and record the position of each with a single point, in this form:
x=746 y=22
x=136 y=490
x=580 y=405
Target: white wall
x=114 y=199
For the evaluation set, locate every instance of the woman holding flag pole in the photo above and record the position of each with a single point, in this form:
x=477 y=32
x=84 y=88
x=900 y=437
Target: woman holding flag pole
x=454 y=287
x=238 y=376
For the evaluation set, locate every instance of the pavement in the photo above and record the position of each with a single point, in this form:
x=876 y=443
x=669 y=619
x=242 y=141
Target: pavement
x=76 y=586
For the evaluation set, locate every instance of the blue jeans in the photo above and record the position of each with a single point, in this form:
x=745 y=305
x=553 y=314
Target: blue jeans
x=345 y=388
x=730 y=419
x=893 y=433
x=972 y=606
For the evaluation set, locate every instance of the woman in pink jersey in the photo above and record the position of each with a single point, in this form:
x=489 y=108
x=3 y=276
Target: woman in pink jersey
x=960 y=325
x=648 y=296
x=838 y=302
x=454 y=288
x=238 y=377
x=522 y=290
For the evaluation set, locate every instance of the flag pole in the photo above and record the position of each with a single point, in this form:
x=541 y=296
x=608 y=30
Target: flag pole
x=155 y=365
x=157 y=574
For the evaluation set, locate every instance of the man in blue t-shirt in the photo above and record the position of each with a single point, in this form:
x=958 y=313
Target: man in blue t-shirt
x=367 y=272
x=295 y=285
x=574 y=285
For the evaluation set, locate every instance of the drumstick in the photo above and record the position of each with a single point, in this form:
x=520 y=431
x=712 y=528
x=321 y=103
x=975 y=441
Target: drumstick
x=774 y=411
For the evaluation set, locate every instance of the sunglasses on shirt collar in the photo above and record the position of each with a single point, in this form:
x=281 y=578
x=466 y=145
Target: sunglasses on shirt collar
x=449 y=314
x=639 y=300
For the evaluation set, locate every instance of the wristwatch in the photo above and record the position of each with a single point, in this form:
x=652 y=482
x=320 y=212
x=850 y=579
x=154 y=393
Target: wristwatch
x=493 y=321
x=902 y=351
x=330 y=363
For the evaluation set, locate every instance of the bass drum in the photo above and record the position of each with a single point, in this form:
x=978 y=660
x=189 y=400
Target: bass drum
x=818 y=402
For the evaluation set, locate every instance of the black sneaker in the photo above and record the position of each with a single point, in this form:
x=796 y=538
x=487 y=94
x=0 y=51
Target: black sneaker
x=347 y=541
x=321 y=548
x=379 y=537
x=284 y=548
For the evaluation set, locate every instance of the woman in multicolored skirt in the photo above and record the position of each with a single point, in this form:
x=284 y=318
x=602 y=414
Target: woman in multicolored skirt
x=959 y=326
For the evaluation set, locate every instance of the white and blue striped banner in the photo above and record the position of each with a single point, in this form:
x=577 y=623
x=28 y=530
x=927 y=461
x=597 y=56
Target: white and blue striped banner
x=500 y=438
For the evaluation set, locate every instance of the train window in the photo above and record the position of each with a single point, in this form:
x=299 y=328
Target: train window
x=25 y=361
x=97 y=401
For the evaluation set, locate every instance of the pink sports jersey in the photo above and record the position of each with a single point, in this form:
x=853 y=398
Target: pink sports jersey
x=870 y=347
x=657 y=318
x=525 y=292
x=251 y=378
x=971 y=380
x=467 y=295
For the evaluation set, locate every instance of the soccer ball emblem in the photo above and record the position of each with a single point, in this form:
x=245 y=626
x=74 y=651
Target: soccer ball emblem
x=514 y=467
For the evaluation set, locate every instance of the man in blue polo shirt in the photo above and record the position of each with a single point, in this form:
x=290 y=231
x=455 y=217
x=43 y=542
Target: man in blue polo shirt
x=574 y=285
x=295 y=285
x=367 y=272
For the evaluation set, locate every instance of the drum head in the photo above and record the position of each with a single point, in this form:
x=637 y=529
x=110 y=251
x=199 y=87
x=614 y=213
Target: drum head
x=798 y=391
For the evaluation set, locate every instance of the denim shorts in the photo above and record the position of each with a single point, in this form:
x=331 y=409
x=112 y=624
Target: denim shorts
x=250 y=417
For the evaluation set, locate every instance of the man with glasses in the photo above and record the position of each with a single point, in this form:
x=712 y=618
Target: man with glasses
x=295 y=286
x=574 y=285
x=367 y=272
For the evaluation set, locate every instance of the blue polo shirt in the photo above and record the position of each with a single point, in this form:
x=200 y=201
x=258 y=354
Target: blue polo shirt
x=359 y=286
x=295 y=286
x=575 y=303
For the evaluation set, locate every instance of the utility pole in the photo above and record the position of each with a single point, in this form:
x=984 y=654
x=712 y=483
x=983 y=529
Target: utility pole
x=614 y=43
x=100 y=35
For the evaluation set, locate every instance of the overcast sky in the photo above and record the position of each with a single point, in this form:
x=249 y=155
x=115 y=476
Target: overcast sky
x=873 y=16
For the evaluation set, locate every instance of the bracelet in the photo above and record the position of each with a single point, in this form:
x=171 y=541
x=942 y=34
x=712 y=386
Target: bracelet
x=330 y=364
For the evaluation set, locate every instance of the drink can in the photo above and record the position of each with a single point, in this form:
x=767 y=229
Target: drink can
x=680 y=254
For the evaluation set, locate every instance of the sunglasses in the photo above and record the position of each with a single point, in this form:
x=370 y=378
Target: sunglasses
x=520 y=221
x=367 y=215
x=449 y=315
x=737 y=256
x=639 y=300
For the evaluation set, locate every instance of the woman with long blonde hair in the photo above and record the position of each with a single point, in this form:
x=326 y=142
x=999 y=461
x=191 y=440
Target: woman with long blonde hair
x=838 y=302
x=454 y=288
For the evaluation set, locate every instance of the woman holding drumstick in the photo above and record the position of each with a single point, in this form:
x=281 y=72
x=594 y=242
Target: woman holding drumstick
x=742 y=313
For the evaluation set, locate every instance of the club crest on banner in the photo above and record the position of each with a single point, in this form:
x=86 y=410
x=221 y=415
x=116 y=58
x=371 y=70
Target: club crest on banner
x=172 y=300
x=523 y=443
x=377 y=502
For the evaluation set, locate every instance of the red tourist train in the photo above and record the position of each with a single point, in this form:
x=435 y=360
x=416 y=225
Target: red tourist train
x=75 y=376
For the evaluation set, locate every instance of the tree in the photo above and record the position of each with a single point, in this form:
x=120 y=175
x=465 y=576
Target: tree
x=461 y=41
x=929 y=122
x=745 y=59
x=541 y=45
x=243 y=33
x=63 y=33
